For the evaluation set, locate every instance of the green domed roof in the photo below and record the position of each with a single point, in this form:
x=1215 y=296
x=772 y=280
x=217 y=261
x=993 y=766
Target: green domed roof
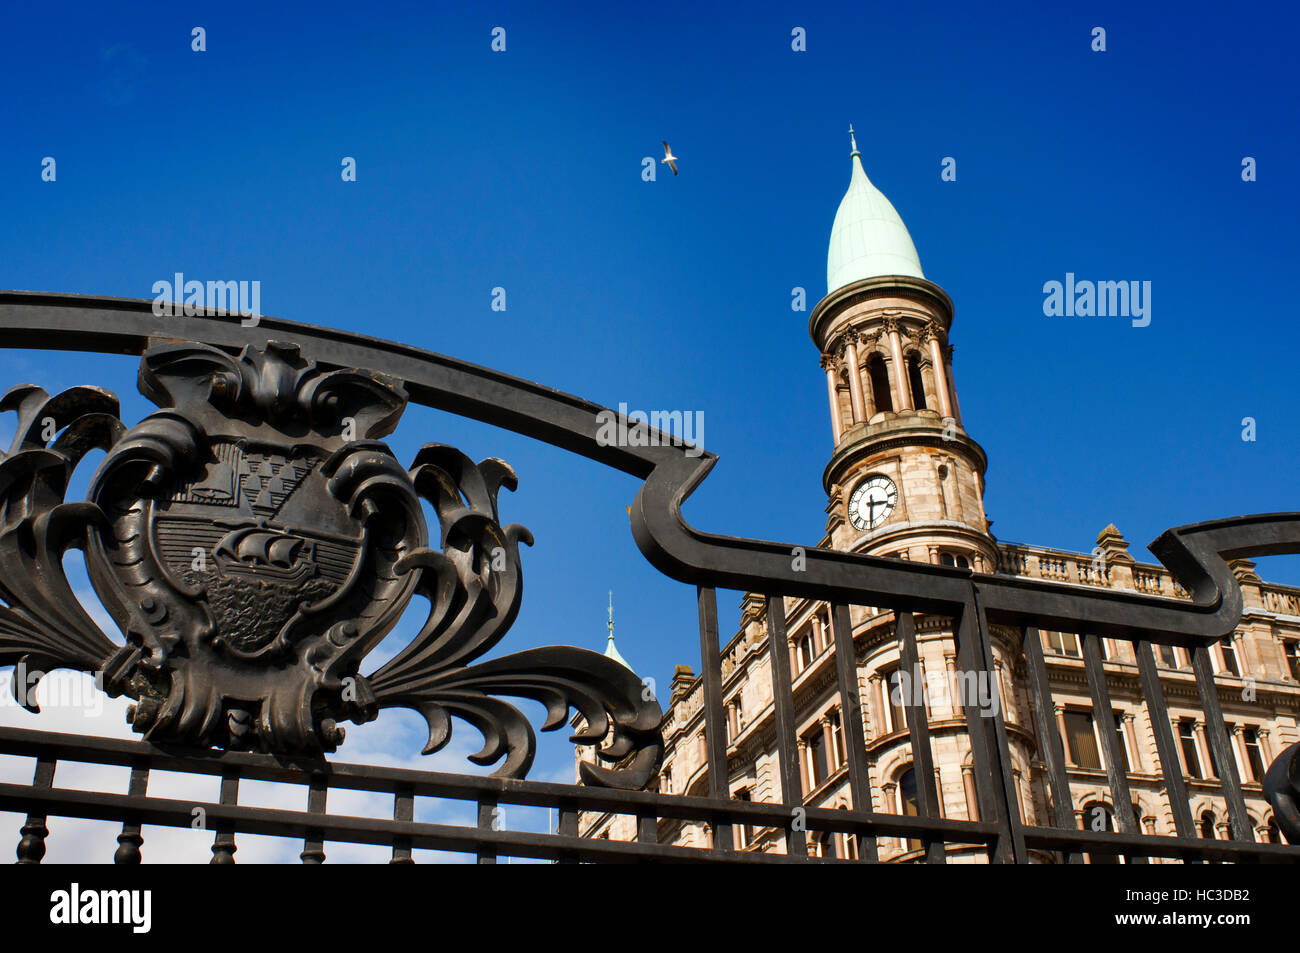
x=868 y=238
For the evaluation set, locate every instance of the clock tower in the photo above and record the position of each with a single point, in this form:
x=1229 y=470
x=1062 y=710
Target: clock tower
x=905 y=479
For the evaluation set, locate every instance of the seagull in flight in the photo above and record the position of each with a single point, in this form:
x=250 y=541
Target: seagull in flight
x=669 y=157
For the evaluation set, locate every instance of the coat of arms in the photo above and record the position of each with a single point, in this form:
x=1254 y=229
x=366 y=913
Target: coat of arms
x=254 y=539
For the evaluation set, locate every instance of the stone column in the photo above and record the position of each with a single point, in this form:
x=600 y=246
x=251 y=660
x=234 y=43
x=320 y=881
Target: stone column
x=972 y=799
x=940 y=374
x=1243 y=760
x=1060 y=726
x=819 y=636
x=805 y=777
x=837 y=425
x=902 y=388
x=925 y=687
x=1133 y=742
x=889 y=794
x=1203 y=750
x=880 y=723
x=1008 y=709
x=828 y=739
x=956 y=404
x=855 y=380
x=950 y=668
x=1264 y=749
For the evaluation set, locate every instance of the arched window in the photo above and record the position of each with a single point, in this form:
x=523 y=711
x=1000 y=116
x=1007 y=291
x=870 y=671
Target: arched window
x=957 y=561
x=1208 y=823
x=1098 y=817
x=745 y=831
x=850 y=841
x=914 y=381
x=909 y=802
x=824 y=844
x=879 y=377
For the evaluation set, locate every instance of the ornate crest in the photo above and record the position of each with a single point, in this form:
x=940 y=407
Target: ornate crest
x=254 y=539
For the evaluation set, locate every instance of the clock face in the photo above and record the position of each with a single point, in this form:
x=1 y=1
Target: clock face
x=872 y=502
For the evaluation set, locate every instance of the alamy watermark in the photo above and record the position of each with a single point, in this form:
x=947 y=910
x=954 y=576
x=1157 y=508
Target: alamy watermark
x=637 y=428
x=190 y=298
x=1102 y=299
x=62 y=689
x=969 y=689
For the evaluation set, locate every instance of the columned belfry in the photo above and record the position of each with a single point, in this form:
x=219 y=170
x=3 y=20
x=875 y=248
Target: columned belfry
x=904 y=479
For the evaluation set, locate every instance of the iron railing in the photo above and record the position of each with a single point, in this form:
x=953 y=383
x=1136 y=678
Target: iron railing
x=1196 y=554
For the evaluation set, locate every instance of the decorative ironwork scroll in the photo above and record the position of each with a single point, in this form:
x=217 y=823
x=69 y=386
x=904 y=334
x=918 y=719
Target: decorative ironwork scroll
x=1282 y=788
x=254 y=539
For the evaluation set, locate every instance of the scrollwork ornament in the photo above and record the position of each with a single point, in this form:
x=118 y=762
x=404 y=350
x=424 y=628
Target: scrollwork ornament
x=254 y=539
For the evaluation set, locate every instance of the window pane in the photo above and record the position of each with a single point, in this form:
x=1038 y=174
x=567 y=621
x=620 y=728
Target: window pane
x=1253 y=754
x=1229 y=656
x=1083 y=743
x=817 y=758
x=1188 y=739
x=898 y=715
x=907 y=795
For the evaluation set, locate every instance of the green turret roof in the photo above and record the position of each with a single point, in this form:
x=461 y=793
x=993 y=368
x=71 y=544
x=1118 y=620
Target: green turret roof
x=868 y=238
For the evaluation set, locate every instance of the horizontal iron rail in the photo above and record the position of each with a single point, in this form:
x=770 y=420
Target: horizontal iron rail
x=470 y=788
x=1156 y=845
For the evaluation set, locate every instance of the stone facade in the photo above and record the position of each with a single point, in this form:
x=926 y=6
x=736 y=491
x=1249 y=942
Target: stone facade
x=905 y=480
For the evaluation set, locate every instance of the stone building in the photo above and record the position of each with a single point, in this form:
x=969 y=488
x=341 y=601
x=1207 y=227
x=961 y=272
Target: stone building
x=906 y=480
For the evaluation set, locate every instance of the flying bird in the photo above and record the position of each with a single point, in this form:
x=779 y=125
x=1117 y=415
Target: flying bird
x=669 y=157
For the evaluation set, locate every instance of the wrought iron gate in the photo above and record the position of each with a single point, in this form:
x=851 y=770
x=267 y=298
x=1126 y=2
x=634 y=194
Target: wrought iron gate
x=252 y=415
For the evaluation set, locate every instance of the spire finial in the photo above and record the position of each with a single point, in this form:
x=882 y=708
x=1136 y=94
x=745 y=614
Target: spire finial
x=853 y=142
x=611 y=650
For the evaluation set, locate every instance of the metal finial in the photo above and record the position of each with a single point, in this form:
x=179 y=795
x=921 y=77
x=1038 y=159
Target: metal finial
x=611 y=614
x=854 y=143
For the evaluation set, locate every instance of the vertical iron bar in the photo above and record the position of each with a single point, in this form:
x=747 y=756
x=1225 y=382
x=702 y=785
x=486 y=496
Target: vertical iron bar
x=647 y=827
x=403 y=811
x=855 y=740
x=996 y=731
x=715 y=726
x=1166 y=746
x=992 y=807
x=130 y=840
x=1050 y=746
x=223 y=845
x=918 y=729
x=31 y=846
x=488 y=820
x=1120 y=795
x=313 y=851
x=783 y=702
x=567 y=826
x=1216 y=729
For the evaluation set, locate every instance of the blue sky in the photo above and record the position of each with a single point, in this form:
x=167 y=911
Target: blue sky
x=522 y=170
